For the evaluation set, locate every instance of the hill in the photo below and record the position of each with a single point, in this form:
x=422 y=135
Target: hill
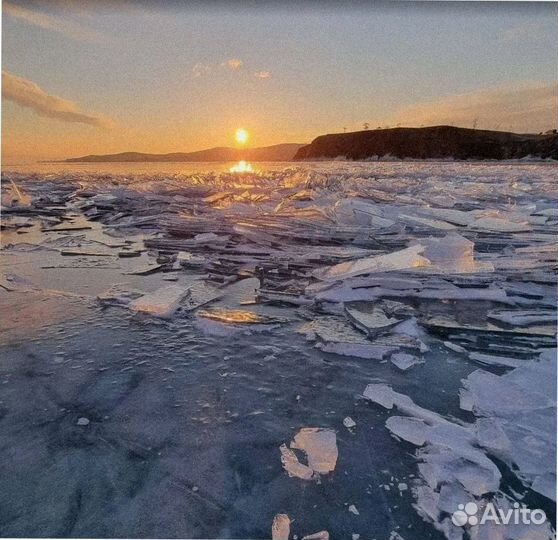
x=278 y=152
x=430 y=143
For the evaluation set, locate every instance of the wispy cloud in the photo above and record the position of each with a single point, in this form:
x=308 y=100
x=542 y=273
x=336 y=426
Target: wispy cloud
x=233 y=63
x=527 y=107
x=70 y=29
x=200 y=69
x=28 y=94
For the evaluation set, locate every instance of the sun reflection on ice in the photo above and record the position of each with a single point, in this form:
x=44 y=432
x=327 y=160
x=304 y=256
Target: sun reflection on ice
x=241 y=167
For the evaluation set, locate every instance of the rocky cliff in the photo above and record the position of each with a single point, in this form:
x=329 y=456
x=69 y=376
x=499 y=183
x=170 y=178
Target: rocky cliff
x=436 y=142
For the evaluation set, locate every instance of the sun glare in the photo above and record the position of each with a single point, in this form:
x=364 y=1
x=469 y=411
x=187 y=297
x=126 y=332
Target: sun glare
x=241 y=136
x=241 y=167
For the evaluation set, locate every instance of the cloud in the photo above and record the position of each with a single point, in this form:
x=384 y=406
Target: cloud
x=523 y=32
x=262 y=74
x=233 y=63
x=527 y=107
x=200 y=69
x=69 y=29
x=28 y=94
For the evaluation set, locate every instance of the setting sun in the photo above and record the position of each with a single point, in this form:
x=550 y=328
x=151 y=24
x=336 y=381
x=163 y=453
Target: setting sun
x=241 y=136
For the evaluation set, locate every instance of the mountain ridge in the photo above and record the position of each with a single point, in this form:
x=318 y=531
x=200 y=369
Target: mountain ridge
x=276 y=152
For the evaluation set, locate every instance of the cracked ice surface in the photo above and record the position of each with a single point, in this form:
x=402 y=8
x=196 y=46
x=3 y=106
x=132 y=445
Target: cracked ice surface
x=153 y=368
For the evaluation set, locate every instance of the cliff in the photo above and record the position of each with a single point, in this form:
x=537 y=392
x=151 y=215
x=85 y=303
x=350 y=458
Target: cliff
x=436 y=142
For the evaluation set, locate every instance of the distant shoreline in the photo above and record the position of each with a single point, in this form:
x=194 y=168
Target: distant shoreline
x=440 y=143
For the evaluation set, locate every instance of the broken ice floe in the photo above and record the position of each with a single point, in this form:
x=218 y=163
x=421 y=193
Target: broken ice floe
x=516 y=424
x=383 y=262
x=400 y=260
x=281 y=527
x=334 y=335
x=372 y=323
x=404 y=361
x=320 y=448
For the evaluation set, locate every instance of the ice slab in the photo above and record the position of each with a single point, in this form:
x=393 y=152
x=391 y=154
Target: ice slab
x=320 y=448
x=293 y=466
x=199 y=294
x=281 y=527
x=336 y=336
x=320 y=445
x=13 y=196
x=118 y=295
x=523 y=317
x=500 y=225
x=361 y=213
x=161 y=303
x=185 y=258
x=321 y=535
x=373 y=322
x=400 y=260
x=238 y=316
x=492 y=360
x=404 y=361
x=453 y=254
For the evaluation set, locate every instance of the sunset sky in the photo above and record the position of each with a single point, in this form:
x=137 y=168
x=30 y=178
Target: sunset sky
x=105 y=77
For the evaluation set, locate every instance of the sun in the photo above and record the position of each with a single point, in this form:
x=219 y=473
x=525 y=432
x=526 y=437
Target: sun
x=241 y=136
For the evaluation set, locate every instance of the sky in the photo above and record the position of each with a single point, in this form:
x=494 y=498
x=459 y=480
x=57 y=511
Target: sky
x=115 y=75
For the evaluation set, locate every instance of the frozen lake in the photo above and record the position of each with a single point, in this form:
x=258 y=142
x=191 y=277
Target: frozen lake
x=417 y=300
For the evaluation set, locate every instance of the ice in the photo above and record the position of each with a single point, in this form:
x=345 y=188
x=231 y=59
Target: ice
x=492 y=360
x=431 y=223
x=404 y=361
x=453 y=254
x=385 y=396
x=319 y=446
x=281 y=527
x=500 y=225
x=13 y=196
x=454 y=347
x=449 y=263
x=118 y=295
x=322 y=535
x=500 y=397
x=523 y=317
x=399 y=260
x=407 y=428
x=359 y=212
x=238 y=316
x=372 y=323
x=199 y=294
x=456 y=217
x=517 y=418
x=334 y=335
x=491 y=436
x=545 y=484
x=185 y=258
x=162 y=303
